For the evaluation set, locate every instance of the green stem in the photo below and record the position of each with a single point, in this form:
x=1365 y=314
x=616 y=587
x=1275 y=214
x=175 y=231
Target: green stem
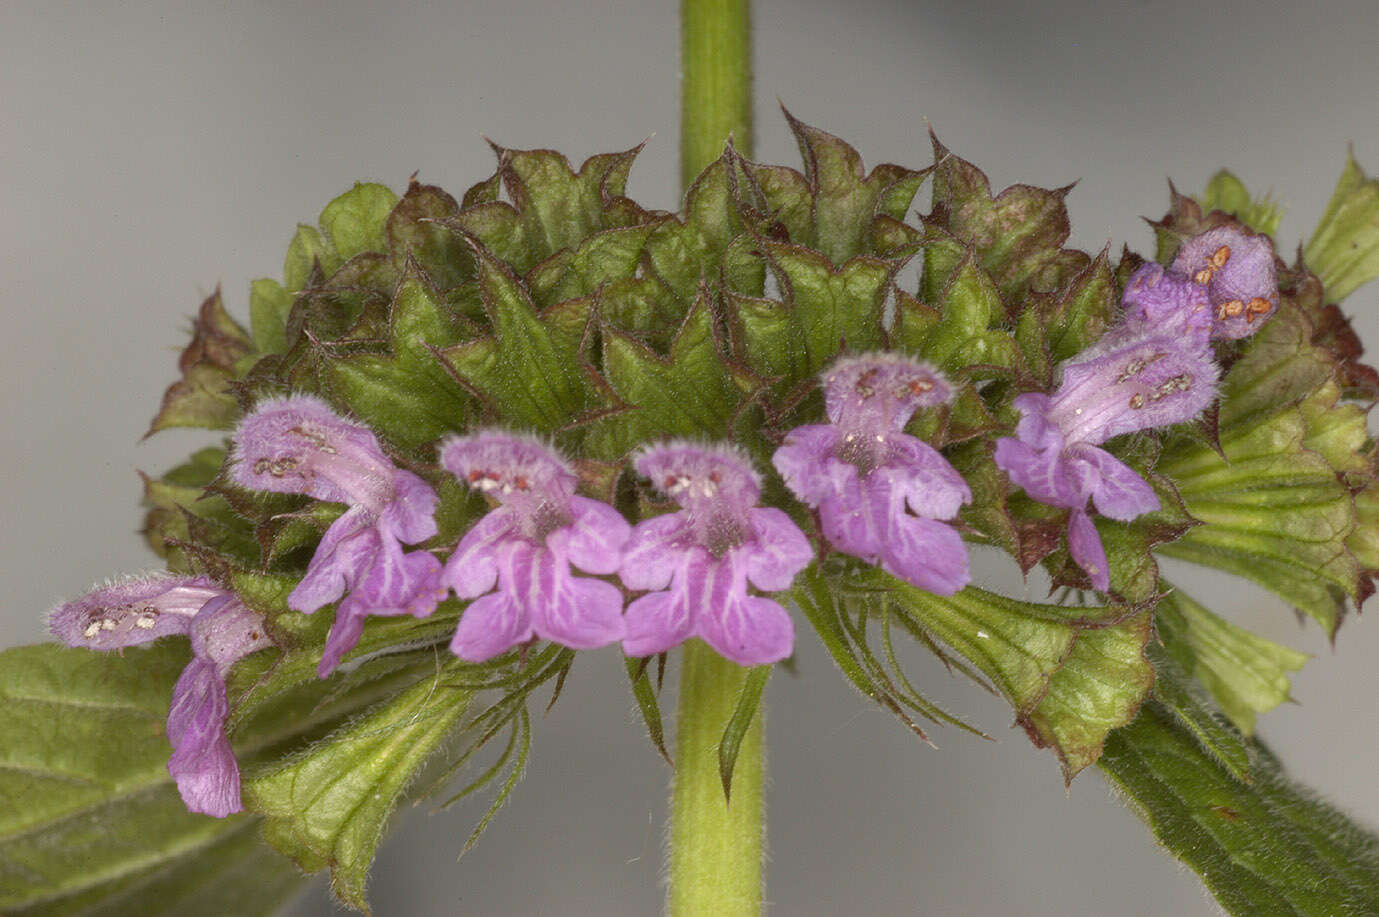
x=715 y=846
x=715 y=82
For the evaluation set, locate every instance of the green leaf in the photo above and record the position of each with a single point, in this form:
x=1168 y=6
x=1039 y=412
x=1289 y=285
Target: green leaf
x=330 y=804
x=1071 y=674
x=90 y=821
x=738 y=724
x=530 y=372
x=1264 y=846
x=602 y=258
x=1228 y=194
x=1344 y=248
x=1187 y=702
x=1245 y=674
x=356 y=221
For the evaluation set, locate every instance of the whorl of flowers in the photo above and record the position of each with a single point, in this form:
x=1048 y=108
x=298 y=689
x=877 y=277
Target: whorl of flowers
x=560 y=417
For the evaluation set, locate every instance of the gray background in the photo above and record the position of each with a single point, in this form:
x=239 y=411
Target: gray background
x=149 y=151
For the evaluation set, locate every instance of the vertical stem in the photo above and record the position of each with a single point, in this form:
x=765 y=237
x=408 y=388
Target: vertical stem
x=715 y=81
x=715 y=847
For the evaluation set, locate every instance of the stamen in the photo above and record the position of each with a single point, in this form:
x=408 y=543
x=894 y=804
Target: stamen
x=1221 y=256
x=1229 y=309
x=1203 y=276
x=1136 y=401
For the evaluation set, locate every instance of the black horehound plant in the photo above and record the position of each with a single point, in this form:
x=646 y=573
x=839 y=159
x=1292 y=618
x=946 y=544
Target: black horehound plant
x=464 y=438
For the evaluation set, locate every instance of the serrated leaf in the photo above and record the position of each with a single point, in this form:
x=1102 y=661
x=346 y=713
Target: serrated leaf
x=1245 y=674
x=1344 y=248
x=90 y=821
x=330 y=804
x=1263 y=847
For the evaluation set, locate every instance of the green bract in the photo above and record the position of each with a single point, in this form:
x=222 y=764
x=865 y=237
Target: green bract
x=544 y=299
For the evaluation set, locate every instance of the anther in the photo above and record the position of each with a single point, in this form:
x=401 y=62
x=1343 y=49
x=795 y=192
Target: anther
x=1221 y=256
x=1136 y=401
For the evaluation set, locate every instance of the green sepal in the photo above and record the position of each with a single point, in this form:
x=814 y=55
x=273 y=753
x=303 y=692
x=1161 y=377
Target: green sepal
x=356 y=221
x=687 y=251
x=531 y=371
x=601 y=258
x=1078 y=314
x=1344 y=248
x=269 y=307
x=329 y=805
x=202 y=397
x=1262 y=846
x=1018 y=235
x=690 y=392
x=1245 y=674
x=833 y=207
x=825 y=311
x=415 y=232
x=555 y=206
x=1273 y=509
x=967 y=335
x=1228 y=194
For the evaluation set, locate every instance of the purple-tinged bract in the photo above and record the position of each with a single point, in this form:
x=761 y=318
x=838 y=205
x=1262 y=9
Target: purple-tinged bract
x=1055 y=454
x=515 y=563
x=698 y=561
x=299 y=445
x=222 y=632
x=1237 y=269
x=880 y=492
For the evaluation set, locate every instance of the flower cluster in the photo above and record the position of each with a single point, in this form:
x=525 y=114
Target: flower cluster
x=549 y=563
x=222 y=631
x=1155 y=368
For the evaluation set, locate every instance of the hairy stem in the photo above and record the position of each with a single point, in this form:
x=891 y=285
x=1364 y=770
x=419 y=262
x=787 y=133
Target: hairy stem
x=715 y=82
x=715 y=844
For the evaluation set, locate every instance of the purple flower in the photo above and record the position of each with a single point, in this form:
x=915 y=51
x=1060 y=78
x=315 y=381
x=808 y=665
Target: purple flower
x=699 y=560
x=1159 y=303
x=516 y=561
x=880 y=492
x=1055 y=457
x=299 y=445
x=222 y=632
x=1237 y=269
